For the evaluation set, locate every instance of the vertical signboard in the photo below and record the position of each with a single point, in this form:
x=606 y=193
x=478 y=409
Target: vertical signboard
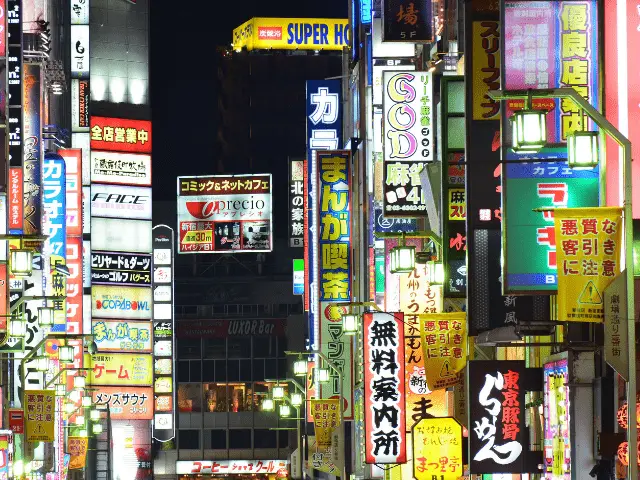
x=55 y=224
x=384 y=392
x=296 y=203
x=32 y=149
x=324 y=132
x=335 y=268
x=163 y=334
x=408 y=140
x=590 y=241
x=225 y=213
x=14 y=133
x=567 y=29
x=557 y=427
x=79 y=51
x=497 y=400
x=407 y=21
x=40 y=409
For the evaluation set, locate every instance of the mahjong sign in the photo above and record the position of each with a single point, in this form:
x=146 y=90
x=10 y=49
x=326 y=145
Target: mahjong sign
x=528 y=189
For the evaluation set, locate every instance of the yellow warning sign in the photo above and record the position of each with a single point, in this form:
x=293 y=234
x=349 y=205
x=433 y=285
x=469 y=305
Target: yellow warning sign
x=590 y=294
x=444 y=347
x=39 y=415
x=588 y=243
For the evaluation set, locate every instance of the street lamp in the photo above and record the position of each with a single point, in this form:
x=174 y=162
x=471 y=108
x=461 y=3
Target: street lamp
x=436 y=273
x=402 y=258
x=300 y=367
x=94 y=415
x=21 y=262
x=297 y=399
x=42 y=363
x=323 y=374
x=582 y=149
x=277 y=393
x=96 y=428
x=350 y=323
x=79 y=420
x=623 y=142
x=79 y=382
x=86 y=401
x=268 y=405
x=284 y=410
x=65 y=354
x=17 y=327
x=45 y=316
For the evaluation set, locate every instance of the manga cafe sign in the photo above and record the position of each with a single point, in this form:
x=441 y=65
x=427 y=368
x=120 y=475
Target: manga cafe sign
x=497 y=443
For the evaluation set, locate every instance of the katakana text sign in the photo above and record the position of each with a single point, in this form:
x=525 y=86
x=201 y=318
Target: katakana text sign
x=207 y=467
x=486 y=66
x=227 y=213
x=114 y=268
x=126 y=403
x=444 y=347
x=40 y=409
x=437 y=449
x=120 y=135
x=588 y=241
x=121 y=369
x=326 y=418
x=557 y=428
x=384 y=389
x=496 y=422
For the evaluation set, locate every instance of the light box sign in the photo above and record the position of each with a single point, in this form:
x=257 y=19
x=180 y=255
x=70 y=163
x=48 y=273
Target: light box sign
x=112 y=268
x=74 y=285
x=334 y=267
x=497 y=401
x=114 y=201
x=126 y=403
x=296 y=203
x=16 y=202
x=14 y=80
x=79 y=51
x=80 y=98
x=120 y=168
x=223 y=467
x=324 y=132
x=73 y=164
x=566 y=55
x=384 y=392
x=437 y=449
x=408 y=140
x=292 y=34
x=539 y=184
x=109 y=234
x=122 y=336
x=120 y=134
x=557 y=429
x=163 y=333
x=225 y=213
x=79 y=12
x=407 y=21
x=298 y=277
x=120 y=302
x=124 y=369
x=32 y=149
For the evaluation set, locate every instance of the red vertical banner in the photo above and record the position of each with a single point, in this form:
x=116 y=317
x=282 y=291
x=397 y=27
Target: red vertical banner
x=16 y=212
x=4 y=300
x=384 y=389
x=74 y=285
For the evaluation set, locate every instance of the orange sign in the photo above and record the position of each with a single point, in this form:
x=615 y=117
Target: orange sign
x=126 y=403
x=120 y=135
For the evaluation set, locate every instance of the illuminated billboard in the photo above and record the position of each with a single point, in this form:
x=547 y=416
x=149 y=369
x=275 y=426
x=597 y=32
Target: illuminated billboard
x=120 y=168
x=116 y=234
x=226 y=213
x=122 y=336
x=115 y=201
x=121 y=369
x=116 y=302
x=126 y=403
x=292 y=34
x=120 y=134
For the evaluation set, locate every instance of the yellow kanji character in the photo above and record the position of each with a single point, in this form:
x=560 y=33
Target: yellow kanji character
x=574 y=44
x=568 y=106
x=574 y=17
x=107 y=134
x=334 y=256
x=143 y=136
x=571 y=123
x=96 y=133
x=120 y=134
x=575 y=72
x=335 y=285
x=131 y=135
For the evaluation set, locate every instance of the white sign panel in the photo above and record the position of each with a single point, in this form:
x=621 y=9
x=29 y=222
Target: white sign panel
x=118 y=235
x=377 y=78
x=108 y=301
x=83 y=142
x=408 y=127
x=389 y=49
x=223 y=467
x=121 y=168
x=79 y=12
x=80 y=51
x=114 y=201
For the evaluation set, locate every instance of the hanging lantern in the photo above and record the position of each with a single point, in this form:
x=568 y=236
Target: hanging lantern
x=296 y=399
x=582 y=149
x=17 y=328
x=284 y=410
x=42 y=364
x=402 y=258
x=45 y=316
x=94 y=415
x=300 y=368
x=21 y=262
x=323 y=375
x=529 y=130
x=65 y=354
x=350 y=323
x=61 y=390
x=96 y=428
x=268 y=405
x=79 y=382
x=79 y=420
x=623 y=415
x=277 y=393
x=436 y=273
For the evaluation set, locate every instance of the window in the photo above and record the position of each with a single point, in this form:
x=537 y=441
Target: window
x=282 y=346
x=239 y=439
x=215 y=397
x=195 y=371
x=241 y=397
x=215 y=348
x=189 y=397
x=189 y=439
x=183 y=371
x=245 y=371
x=189 y=348
x=239 y=347
x=221 y=370
x=264 y=347
x=218 y=439
x=258 y=370
x=208 y=371
x=283 y=438
x=263 y=438
x=233 y=370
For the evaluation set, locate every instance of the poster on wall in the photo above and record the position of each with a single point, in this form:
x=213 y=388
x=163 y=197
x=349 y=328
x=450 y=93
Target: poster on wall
x=225 y=213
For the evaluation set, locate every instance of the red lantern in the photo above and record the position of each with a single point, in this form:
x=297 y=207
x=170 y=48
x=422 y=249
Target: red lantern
x=623 y=415
x=623 y=454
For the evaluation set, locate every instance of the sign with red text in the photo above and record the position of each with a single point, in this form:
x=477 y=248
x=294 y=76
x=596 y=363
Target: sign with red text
x=225 y=213
x=437 y=449
x=444 y=346
x=384 y=392
x=124 y=369
x=40 y=410
x=208 y=467
x=588 y=254
x=120 y=134
x=496 y=398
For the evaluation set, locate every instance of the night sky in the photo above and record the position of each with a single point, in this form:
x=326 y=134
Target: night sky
x=183 y=92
